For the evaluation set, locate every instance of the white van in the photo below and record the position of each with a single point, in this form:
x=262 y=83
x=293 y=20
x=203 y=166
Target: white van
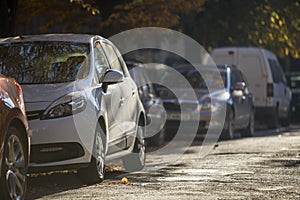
x=266 y=81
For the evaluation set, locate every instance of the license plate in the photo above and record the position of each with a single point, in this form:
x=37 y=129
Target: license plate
x=178 y=116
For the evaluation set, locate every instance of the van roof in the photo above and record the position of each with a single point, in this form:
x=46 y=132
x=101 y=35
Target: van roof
x=241 y=48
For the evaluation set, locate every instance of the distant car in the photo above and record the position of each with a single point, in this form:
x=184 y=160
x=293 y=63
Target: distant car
x=266 y=80
x=82 y=105
x=294 y=83
x=232 y=91
x=14 y=138
x=156 y=116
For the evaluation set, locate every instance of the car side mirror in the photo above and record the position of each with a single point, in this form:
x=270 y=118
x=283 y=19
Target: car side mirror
x=112 y=77
x=239 y=86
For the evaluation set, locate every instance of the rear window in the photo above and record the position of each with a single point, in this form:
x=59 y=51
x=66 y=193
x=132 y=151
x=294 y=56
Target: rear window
x=44 y=62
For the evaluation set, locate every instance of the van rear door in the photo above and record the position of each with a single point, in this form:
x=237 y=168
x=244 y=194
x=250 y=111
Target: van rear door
x=224 y=56
x=251 y=63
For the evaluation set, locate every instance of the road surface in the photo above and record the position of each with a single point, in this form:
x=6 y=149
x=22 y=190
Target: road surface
x=266 y=166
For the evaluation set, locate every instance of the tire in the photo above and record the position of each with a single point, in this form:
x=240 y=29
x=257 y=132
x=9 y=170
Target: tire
x=287 y=121
x=157 y=140
x=273 y=122
x=95 y=172
x=136 y=160
x=228 y=131
x=249 y=130
x=14 y=166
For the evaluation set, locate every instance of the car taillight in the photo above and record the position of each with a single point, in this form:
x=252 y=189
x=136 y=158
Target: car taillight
x=19 y=89
x=270 y=90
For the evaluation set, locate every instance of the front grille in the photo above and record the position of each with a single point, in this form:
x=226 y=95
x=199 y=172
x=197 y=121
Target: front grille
x=183 y=107
x=172 y=106
x=31 y=115
x=46 y=153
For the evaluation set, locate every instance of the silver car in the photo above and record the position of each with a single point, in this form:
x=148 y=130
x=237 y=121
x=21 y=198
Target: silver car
x=82 y=105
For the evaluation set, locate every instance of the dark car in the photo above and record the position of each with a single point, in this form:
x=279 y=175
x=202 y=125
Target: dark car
x=156 y=116
x=229 y=92
x=294 y=83
x=14 y=138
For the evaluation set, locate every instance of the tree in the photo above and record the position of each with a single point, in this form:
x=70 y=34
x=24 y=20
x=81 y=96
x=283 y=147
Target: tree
x=277 y=27
x=8 y=11
x=270 y=24
x=158 y=13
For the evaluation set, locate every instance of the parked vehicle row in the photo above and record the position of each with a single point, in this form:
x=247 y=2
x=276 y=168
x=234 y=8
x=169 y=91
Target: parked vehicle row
x=85 y=106
x=226 y=91
x=266 y=80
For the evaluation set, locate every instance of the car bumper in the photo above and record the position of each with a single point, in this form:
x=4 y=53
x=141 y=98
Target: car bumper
x=262 y=113
x=61 y=141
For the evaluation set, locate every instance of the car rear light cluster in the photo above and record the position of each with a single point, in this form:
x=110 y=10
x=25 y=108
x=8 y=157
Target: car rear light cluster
x=270 y=90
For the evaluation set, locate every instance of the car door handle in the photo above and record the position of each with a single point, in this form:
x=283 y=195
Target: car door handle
x=122 y=101
x=132 y=92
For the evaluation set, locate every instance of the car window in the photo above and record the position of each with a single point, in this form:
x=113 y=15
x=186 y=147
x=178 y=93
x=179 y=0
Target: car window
x=44 y=62
x=276 y=71
x=236 y=76
x=113 y=58
x=295 y=81
x=100 y=60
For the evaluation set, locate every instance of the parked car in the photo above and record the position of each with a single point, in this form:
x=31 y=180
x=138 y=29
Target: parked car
x=294 y=83
x=82 y=105
x=266 y=80
x=14 y=140
x=156 y=116
x=231 y=95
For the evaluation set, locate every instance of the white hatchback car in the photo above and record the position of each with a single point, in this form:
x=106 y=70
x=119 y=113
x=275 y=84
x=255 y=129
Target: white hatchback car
x=82 y=105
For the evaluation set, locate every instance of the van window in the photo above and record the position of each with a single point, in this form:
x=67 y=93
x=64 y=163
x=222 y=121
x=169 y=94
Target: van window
x=277 y=74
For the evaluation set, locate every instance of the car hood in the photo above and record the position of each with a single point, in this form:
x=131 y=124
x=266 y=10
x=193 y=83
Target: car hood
x=40 y=96
x=183 y=94
x=190 y=94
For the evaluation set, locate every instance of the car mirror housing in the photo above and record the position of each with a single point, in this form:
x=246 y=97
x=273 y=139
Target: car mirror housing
x=112 y=77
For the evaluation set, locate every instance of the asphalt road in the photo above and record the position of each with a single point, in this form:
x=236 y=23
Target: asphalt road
x=266 y=166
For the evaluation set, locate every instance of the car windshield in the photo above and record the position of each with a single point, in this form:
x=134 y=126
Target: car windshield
x=44 y=62
x=295 y=82
x=203 y=80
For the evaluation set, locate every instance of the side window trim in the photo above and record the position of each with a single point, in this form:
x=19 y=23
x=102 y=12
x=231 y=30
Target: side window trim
x=103 y=52
x=109 y=60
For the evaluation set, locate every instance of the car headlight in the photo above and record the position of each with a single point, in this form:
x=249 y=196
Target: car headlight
x=67 y=105
x=207 y=105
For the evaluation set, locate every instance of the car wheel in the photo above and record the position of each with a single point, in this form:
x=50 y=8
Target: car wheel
x=228 y=131
x=287 y=121
x=14 y=166
x=136 y=160
x=95 y=172
x=248 y=132
x=273 y=122
x=158 y=139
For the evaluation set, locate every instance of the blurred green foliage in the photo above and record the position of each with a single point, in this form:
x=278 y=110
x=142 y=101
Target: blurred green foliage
x=271 y=24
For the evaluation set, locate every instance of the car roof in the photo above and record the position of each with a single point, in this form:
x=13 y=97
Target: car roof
x=221 y=68
x=81 y=38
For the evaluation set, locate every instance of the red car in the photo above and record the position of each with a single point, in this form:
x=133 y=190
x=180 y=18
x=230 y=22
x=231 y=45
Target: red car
x=14 y=140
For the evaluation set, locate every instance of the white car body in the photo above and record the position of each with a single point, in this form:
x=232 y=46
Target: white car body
x=61 y=141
